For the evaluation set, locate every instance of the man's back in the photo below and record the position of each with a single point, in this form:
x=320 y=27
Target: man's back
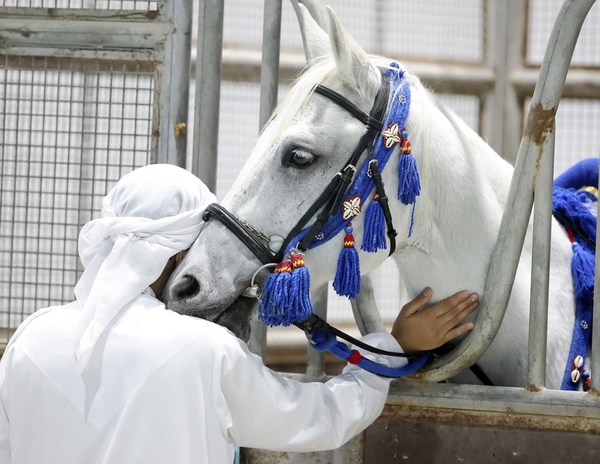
x=146 y=396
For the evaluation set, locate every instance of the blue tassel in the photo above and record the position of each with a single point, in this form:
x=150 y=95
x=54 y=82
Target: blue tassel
x=582 y=268
x=300 y=304
x=347 y=277
x=374 y=233
x=409 y=184
x=275 y=298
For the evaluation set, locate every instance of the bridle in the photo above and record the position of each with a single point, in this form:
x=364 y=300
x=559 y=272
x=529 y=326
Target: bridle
x=328 y=203
x=325 y=206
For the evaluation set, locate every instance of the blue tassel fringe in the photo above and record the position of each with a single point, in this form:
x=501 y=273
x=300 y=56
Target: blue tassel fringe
x=374 y=229
x=347 y=277
x=409 y=185
x=582 y=267
x=275 y=298
x=299 y=293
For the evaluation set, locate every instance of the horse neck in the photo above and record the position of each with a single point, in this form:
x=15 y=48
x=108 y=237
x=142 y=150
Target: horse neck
x=457 y=215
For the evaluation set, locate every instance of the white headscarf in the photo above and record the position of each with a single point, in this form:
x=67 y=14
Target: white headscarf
x=150 y=215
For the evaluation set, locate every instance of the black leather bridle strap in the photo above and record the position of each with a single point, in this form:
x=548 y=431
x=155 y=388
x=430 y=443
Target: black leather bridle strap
x=244 y=234
x=383 y=199
x=330 y=200
x=340 y=183
x=318 y=323
x=343 y=102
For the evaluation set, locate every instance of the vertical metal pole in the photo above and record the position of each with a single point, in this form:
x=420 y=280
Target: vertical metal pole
x=595 y=361
x=175 y=84
x=269 y=81
x=540 y=269
x=501 y=116
x=269 y=69
x=209 y=51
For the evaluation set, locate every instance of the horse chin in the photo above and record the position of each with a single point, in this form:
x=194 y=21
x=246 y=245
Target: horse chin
x=235 y=317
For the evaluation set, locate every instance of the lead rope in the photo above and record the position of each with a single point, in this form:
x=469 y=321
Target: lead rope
x=322 y=337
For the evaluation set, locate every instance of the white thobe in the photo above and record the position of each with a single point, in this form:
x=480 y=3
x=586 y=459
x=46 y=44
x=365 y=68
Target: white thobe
x=165 y=388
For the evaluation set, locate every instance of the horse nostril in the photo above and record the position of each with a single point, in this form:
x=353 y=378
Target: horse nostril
x=186 y=287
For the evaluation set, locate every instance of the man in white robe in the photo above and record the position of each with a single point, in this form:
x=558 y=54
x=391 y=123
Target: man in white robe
x=115 y=377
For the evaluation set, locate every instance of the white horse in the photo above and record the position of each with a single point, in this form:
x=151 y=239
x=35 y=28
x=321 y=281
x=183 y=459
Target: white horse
x=456 y=216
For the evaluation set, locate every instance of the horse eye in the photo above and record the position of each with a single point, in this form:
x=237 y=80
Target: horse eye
x=300 y=159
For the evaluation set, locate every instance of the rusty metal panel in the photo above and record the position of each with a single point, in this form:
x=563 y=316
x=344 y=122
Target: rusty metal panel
x=396 y=440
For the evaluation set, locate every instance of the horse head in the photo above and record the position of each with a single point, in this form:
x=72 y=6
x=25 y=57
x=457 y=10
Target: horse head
x=303 y=146
x=441 y=238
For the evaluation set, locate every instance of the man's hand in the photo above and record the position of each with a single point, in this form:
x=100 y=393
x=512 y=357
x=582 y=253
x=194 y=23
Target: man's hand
x=420 y=327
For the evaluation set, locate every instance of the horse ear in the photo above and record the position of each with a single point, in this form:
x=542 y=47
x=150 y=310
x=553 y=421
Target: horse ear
x=351 y=59
x=314 y=38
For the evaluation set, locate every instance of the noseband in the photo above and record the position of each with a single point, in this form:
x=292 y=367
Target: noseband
x=330 y=200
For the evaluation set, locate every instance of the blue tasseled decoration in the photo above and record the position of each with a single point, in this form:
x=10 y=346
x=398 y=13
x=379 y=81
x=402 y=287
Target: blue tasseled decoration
x=374 y=228
x=299 y=293
x=582 y=267
x=275 y=297
x=347 y=277
x=409 y=184
x=575 y=211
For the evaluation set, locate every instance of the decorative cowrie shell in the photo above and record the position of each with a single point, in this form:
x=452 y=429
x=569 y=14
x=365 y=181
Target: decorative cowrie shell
x=578 y=361
x=575 y=375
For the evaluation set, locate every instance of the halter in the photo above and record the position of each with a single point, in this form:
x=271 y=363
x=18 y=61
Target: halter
x=328 y=222
x=330 y=200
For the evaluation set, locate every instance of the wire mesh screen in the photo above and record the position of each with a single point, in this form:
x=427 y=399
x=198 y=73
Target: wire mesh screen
x=123 y=5
x=427 y=29
x=68 y=131
x=542 y=14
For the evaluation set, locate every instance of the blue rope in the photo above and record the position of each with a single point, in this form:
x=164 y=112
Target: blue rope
x=322 y=340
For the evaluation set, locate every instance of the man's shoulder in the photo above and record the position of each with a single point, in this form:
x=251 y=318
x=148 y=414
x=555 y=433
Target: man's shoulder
x=50 y=315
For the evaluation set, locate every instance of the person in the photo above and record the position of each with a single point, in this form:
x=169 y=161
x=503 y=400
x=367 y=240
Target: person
x=115 y=377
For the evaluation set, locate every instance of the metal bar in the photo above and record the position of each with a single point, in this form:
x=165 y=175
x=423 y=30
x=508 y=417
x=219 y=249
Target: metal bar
x=496 y=406
x=208 y=91
x=89 y=34
x=501 y=110
x=269 y=70
x=315 y=365
x=540 y=269
x=134 y=59
x=364 y=307
x=595 y=355
x=82 y=14
x=174 y=88
x=505 y=257
x=465 y=79
x=580 y=83
x=269 y=81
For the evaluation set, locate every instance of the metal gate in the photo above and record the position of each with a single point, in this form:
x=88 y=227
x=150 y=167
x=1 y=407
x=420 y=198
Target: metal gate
x=89 y=89
x=504 y=83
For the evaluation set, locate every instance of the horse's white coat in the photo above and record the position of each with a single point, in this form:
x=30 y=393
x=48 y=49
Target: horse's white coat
x=457 y=216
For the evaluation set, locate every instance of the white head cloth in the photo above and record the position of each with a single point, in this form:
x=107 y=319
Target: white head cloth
x=150 y=215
